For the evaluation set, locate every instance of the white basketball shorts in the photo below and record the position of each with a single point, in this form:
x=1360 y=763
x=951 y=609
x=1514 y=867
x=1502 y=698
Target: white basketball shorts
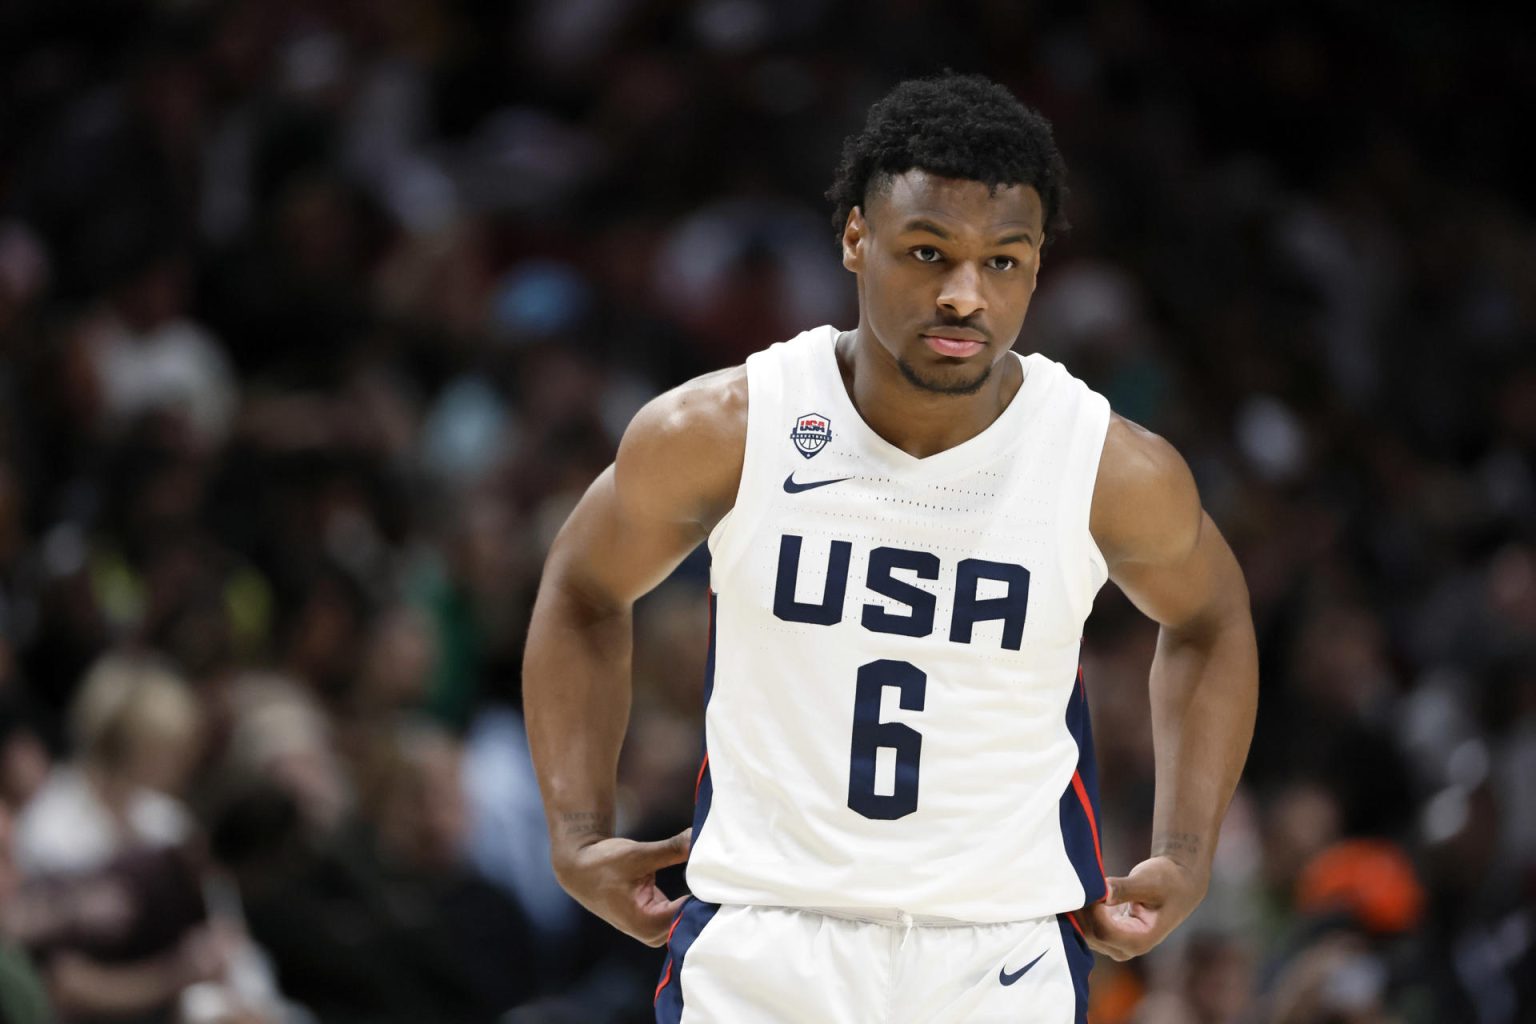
x=776 y=965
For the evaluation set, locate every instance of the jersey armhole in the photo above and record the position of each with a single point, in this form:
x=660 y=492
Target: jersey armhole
x=728 y=535
x=1093 y=433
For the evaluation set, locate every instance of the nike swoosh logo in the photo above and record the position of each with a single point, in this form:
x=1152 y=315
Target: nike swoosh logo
x=793 y=488
x=1008 y=979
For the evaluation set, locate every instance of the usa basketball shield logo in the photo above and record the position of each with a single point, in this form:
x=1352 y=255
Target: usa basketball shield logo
x=811 y=434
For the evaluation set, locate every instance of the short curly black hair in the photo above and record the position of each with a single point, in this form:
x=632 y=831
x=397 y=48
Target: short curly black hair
x=955 y=126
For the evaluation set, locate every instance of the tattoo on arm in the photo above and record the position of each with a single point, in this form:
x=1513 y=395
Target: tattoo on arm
x=580 y=824
x=1177 y=845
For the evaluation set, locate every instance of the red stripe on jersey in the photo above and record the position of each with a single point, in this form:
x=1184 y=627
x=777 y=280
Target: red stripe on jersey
x=666 y=975
x=1093 y=825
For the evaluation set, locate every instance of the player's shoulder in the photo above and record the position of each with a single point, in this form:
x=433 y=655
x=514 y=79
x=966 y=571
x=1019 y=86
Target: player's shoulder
x=708 y=408
x=686 y=446
x=1135 y=457
x=1144 y=500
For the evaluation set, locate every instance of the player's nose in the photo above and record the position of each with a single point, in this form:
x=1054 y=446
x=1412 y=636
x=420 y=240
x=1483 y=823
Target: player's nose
x=961 y=294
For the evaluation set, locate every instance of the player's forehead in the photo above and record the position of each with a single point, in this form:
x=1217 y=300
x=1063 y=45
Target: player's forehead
x=916 y=197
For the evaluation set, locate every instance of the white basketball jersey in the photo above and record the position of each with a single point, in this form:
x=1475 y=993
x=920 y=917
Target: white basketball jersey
x=894 y=717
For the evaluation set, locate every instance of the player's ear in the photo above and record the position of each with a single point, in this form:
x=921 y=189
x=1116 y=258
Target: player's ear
x=854 y=233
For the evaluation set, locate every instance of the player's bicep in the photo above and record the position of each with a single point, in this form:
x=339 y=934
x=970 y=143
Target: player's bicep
x=1163 y=550
x=676 y=472
x=1191 y=591
x=614 y=548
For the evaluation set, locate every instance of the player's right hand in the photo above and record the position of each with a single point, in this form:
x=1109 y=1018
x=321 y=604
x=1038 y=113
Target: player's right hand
x=1144 y=906
x=616 y=880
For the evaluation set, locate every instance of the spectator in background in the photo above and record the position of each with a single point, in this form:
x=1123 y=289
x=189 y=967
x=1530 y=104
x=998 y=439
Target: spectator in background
x=114 y=896
x=356 y=892
x=136 y=730
x=282 y=738
x=123 y=942
x=24 y=761
x=421 y=819
x=23 y=998
x=147 y=356
x=1213 y=984
x=507 y=840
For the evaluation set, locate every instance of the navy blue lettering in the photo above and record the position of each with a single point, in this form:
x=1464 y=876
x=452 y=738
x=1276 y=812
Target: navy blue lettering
x=971 y=609
x=830 y=608
x=881 y=563
x=870 y=734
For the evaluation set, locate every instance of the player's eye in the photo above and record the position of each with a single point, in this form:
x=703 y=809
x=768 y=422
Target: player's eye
x=927 y=254
x=1002 y=263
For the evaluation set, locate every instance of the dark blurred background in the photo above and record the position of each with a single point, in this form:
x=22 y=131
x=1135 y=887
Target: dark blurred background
x=317 y=317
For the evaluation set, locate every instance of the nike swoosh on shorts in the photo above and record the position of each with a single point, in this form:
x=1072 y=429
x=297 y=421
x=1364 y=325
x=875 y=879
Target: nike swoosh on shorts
x=1008 y=979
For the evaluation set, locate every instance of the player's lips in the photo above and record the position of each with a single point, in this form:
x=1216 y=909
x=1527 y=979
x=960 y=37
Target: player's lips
x=955 y=341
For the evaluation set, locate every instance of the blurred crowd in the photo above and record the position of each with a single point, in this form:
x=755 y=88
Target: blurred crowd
x=317 y=316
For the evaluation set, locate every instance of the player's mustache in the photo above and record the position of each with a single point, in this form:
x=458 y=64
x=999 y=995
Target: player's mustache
x=964 y=325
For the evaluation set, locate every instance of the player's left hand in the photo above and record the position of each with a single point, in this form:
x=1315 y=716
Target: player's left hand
x=1143 y=907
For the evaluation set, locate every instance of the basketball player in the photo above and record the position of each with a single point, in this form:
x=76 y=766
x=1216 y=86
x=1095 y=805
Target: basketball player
x=908 y=523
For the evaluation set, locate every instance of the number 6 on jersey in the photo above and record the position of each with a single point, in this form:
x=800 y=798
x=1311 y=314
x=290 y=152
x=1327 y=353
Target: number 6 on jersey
x=870 y=734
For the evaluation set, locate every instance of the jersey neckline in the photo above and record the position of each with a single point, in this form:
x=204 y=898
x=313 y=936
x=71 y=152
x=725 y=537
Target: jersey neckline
x=994 y=440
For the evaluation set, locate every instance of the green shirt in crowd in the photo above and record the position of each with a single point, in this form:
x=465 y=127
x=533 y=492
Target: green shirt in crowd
x=23 y=1000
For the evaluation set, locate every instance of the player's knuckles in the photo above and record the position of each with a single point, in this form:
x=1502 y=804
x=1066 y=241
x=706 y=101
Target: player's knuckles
x=1120 y=945
x=1113 y=950
x=1109 y=949
x=1139 y=946
x=635 y=926
x=651 y=933
x=1121 y=952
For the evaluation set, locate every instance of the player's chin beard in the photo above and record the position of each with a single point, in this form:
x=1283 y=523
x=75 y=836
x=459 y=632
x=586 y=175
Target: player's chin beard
x=943 y=387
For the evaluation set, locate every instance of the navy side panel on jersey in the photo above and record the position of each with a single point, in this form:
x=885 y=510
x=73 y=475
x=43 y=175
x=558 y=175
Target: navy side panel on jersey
x=685 y=930
x=695 y=913
x=1080 y=802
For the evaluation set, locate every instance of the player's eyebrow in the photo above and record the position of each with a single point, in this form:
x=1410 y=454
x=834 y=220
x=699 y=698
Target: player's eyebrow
x=925 y=225
x=920 y=224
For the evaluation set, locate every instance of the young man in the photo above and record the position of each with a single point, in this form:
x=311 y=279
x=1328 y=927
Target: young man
x=908 y=523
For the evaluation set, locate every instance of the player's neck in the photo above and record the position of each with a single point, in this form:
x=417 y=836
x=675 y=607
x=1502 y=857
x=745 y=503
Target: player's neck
x=919 y=422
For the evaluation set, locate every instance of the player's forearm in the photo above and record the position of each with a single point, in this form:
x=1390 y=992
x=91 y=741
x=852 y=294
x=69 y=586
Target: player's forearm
x=576 y=696
x=1204 y=689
